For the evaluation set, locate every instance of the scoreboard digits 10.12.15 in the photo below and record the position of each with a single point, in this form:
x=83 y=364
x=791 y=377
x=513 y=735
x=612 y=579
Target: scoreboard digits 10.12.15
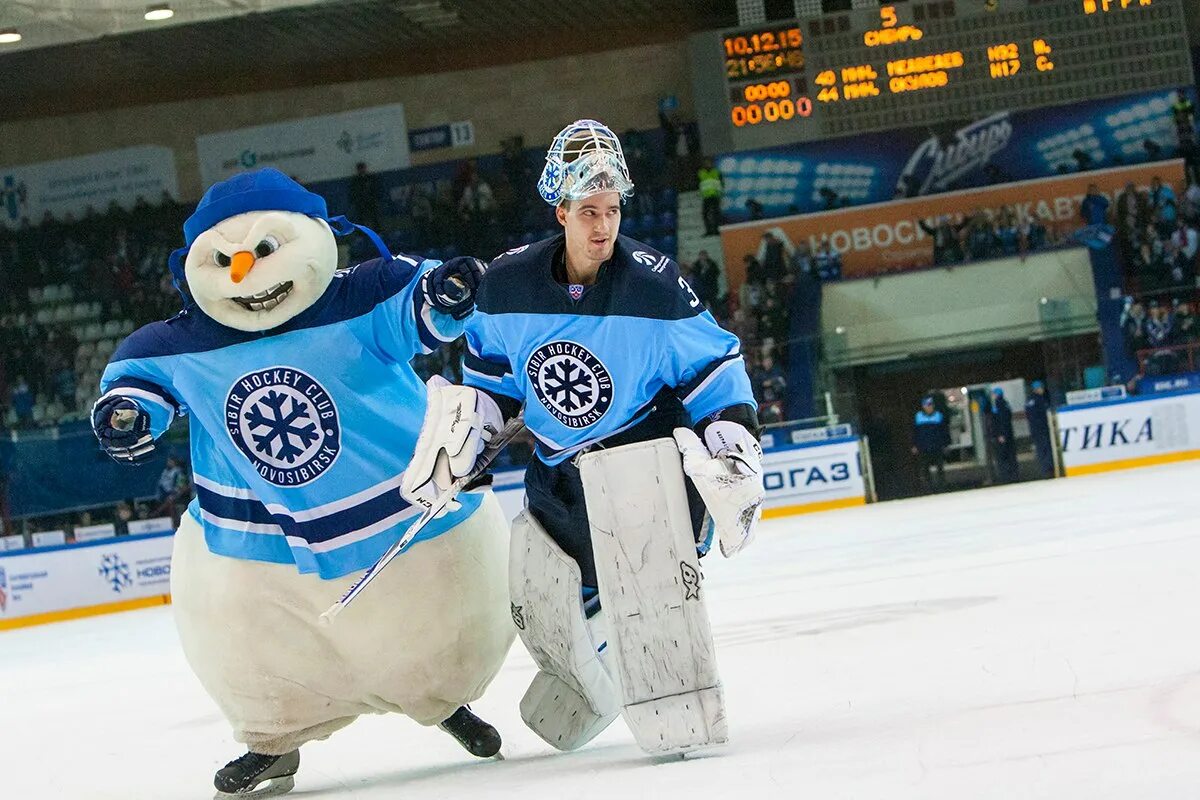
x=928 y=61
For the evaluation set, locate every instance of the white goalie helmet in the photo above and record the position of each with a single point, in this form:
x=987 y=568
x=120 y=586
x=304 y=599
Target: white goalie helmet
x=585 y=158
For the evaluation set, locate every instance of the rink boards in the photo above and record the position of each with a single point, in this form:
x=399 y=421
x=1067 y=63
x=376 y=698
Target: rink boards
x=800 y=478
x=51 y=584
x=1130 y=432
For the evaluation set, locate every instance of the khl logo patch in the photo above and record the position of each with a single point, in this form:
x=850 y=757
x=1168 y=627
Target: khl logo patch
x=571 y=383
x=285 y=423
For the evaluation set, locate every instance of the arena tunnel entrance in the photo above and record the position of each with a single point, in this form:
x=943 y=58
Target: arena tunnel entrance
x=887 y=396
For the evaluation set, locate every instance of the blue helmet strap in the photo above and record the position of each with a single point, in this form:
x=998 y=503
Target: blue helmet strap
x=178 y=274
x=344 y=227
x=339 y=225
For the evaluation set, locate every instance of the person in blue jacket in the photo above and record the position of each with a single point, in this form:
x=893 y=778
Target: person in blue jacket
x=931 y=437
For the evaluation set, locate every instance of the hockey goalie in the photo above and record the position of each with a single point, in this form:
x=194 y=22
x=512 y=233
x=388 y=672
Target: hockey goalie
x=646 y=434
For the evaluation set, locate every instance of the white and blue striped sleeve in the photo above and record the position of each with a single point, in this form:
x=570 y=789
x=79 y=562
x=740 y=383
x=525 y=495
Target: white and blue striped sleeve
x=141 y=381
x=406 y=325
x=486 y=365
x=708 y=370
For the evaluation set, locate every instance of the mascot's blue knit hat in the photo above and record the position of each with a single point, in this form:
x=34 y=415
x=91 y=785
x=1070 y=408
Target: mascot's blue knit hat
x=261 y=190
x=265 y=189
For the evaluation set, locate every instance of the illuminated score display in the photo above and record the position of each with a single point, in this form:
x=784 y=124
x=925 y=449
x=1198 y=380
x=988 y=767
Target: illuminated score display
x=924 y=62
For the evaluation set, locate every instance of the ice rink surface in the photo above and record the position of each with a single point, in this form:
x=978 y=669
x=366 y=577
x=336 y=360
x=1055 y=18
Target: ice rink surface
x=1034 y=641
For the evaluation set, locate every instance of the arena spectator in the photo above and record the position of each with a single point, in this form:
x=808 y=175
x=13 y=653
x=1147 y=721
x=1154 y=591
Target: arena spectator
x=1000 y=434
x=1133 y=324
x=1185 y=242
x=712 y=186
x=770 y=389
x=1037 y=405
x=981 y=241
x=22 y=402
x=1163 y=206
x=930 y=438
x=1184 y=328
x=1005 y=234
x=1032 y=234
x=706 y=280
x=1132 y=215
x=1158 y=326
x=827 y=261
x=947 y=244
x=174 y=490
x=772 y=255
x=1094 y=207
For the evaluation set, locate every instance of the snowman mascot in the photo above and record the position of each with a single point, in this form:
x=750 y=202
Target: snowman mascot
x=303 y=416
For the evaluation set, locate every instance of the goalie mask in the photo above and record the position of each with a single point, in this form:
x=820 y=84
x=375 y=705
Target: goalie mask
x=584 y=159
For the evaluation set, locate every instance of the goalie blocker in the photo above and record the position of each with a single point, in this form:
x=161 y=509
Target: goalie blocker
x=655 y=662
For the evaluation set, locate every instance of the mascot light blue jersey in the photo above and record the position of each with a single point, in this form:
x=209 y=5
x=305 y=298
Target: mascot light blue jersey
x=301 y=424
x=591 y=362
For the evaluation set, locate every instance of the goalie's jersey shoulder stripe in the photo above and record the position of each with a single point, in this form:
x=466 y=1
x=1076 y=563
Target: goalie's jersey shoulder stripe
x=352 y=293
x=638 y=281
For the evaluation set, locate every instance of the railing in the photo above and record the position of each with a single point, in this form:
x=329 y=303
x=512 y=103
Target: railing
x=1160 y=361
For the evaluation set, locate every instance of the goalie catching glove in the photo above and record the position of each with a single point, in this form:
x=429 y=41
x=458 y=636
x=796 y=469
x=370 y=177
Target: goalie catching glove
x=727 y=470
x=459 y=423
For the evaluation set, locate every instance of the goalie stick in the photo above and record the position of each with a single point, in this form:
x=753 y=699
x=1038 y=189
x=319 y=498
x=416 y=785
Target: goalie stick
x=498 y=443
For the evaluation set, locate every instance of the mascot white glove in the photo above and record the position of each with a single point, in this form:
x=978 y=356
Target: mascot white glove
x=459 y=422
x=727 y=470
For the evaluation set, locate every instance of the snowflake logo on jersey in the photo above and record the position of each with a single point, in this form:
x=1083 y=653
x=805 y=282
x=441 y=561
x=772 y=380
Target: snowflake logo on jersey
x=115 y=572
x=571 y=383
x=285 y=423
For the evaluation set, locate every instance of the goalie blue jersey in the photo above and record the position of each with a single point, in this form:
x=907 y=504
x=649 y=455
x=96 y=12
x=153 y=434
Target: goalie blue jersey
x=300 y=435
x=591 y=362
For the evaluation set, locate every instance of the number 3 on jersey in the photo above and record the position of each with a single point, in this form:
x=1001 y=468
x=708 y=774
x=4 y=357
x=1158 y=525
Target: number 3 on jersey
x=695 y=301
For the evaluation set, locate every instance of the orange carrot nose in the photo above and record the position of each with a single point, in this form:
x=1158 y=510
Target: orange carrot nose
x=243 y=262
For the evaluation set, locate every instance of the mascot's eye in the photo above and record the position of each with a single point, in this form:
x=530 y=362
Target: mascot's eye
x=267 y=246
x=221 y=259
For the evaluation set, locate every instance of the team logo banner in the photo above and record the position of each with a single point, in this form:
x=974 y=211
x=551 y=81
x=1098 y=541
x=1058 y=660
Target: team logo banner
x=889 y=237
x=319 y=148
x=73 y=185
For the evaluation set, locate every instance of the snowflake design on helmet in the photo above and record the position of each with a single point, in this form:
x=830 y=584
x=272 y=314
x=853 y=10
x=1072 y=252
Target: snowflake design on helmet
x=584 y=159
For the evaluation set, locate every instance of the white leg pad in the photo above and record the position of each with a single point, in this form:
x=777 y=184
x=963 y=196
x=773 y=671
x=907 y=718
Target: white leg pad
x=650 y=587
x=572 y=698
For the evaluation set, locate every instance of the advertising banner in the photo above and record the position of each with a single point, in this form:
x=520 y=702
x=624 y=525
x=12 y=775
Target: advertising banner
x=799 y=478
x=888 y=237
x=73 y=185
x=917 y=162
x=1135 y=432
x=310 y=149
x=109 y=574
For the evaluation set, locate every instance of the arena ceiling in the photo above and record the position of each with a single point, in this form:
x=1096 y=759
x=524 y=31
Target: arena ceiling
x=81 y=55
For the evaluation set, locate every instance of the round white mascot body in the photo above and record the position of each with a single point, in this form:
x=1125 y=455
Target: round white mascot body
x=432 y=630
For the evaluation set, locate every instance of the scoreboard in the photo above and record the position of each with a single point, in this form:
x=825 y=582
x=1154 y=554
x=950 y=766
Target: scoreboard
x=928 y=61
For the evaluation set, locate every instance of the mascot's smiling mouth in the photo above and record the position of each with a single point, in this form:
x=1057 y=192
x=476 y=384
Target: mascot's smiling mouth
x=266 y=299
